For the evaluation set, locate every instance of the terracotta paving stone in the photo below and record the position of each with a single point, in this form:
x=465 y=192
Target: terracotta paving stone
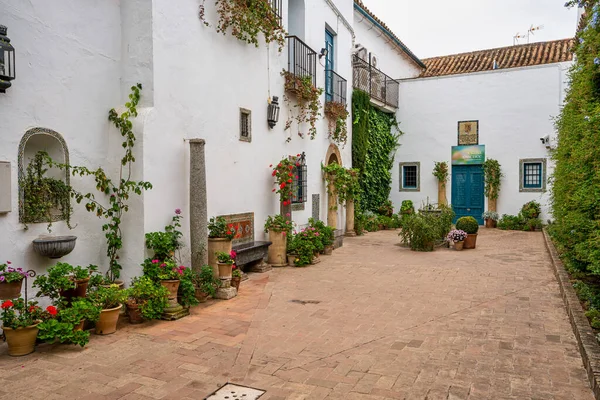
x=374 y=321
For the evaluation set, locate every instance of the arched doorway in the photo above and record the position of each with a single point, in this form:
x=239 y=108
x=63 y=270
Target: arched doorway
x=333 y=156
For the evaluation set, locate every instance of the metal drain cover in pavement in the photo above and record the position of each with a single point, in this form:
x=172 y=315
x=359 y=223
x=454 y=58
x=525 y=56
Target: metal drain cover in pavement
x=236 y=392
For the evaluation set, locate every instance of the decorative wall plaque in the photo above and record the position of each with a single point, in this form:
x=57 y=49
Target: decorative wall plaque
x=243 y=225
x=316 y=205
x=468 y=133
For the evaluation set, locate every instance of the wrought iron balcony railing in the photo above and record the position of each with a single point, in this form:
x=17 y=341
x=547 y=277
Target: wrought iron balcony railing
x=277 y=9
x=335 y=87
x=302 y=60
x=380 y=86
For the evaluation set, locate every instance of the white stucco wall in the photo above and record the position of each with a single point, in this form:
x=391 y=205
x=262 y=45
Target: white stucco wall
x=68 y=77
x=514 y=108
x=391 y=59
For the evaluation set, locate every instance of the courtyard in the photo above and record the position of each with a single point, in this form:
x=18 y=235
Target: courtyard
x=373 y=321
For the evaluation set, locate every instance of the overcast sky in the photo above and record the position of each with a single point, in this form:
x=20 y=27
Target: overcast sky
x=441 y=27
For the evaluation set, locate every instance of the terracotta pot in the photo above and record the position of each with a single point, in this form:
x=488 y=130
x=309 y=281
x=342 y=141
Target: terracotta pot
x=291 y=258
x=21 y=341
x=490 y=223
x=79 y=326
x=381 y=227
x=225 y=271
x=459 y=245
x=471 y=241
x=235 y=282
x=107 y=323
x=328 y=250
x=200 y=295
x=277 y=249
x=216 y=245
x=135 y=314
x=79 y=290
x=10 y=290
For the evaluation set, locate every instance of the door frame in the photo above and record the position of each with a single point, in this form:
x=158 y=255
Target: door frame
x=454 y=189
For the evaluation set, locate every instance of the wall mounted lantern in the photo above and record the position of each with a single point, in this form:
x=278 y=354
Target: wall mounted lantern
x=273 y=112
x=7 y=60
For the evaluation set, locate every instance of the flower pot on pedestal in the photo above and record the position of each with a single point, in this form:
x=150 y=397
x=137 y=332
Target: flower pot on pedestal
x=217 y=245
x=173 y=309
x=277 y=250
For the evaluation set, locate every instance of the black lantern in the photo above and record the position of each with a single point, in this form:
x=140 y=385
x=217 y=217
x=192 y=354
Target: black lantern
x=7 y=60
x=273 y=112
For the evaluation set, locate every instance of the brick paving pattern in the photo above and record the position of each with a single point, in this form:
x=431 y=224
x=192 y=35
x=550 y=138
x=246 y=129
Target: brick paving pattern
x=374 y=321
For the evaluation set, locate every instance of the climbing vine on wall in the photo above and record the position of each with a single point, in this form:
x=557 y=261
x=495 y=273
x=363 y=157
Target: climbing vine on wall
x=492 y=173
x=376 y=134
x=576 y=186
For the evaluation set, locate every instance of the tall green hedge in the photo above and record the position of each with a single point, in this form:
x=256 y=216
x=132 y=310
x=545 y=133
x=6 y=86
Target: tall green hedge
x=374 y=143
x=576 y=187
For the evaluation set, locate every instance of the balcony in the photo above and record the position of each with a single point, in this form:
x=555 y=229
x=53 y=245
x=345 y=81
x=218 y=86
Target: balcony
x=381 y=87
x=335 y=87
x=302 y=60
x=277 y=8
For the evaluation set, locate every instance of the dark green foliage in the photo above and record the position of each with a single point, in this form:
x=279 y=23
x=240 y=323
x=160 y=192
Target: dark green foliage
x=206 y=281
x=527 y=220
x=326 y=233
x=61 y=327
x=166 y=243
x=186 y=294
x=60 y=277
x=387 y=209
x=361 y=104
x=467 y=224
x=422 y=231
x=533 y=209
x=511 y=222
x=151 y=297
x=576 y=179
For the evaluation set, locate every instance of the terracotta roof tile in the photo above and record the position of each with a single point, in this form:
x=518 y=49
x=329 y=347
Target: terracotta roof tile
x=524 y=55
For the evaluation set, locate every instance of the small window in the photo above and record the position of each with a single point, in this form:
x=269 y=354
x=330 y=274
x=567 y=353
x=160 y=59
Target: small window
x=532 y=175
x=299 y=194
x=409 y=177
x=245 y=125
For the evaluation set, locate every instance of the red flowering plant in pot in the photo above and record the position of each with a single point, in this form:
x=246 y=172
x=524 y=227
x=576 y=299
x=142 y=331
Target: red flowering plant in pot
x=11 y=280
x=236 y=272
x=20 y=322
x=284 y=175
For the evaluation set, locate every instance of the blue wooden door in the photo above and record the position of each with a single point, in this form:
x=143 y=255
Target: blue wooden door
x=329 y=67
x=467 y=191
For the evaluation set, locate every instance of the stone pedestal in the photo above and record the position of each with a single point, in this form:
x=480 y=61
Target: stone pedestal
x=198 y=212
x=260 y=267
x=442 y=199
x=175 y=314
x=332 y=213
x=226 y=291
x=350 y=218
x=492 y=206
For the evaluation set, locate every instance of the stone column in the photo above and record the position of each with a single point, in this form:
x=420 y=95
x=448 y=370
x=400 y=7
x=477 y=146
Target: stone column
x=350 y=218
x=442 y=193
x=198 y=209
x=332 y=213
x=492 y=206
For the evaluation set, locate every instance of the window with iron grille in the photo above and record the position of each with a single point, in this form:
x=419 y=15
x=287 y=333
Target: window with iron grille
x=532 y=173
x=409 y=177
x=245 y=125
x=299 y=190
x=276 y=6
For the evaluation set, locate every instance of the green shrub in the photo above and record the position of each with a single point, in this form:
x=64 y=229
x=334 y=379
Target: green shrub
x=152 y=298
x=511 y=222
x=206 y=281
x=407 y=207
x=531 y=210
x=468 y=224
x=386 y=209
x=359 y=222
x=326 y=233
x=421 y=231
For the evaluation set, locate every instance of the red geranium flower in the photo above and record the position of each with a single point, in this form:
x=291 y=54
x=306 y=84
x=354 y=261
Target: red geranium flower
x=289 y=181
x=229 y=232
x=290 y=174
x=52 y=310
x=273 y=190
x=7 y=304
x=271 y=166
x=282 y=186
x=279 y=165
x=32 y=308
x=291 y=167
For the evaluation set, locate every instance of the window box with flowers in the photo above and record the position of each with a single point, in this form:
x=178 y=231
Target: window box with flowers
x=11 y=281
x=337 y=114
x=220 y=235
x=20 y=322
x=307 y=104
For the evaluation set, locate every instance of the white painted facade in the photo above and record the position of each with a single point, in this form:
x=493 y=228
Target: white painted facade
x=514 y=108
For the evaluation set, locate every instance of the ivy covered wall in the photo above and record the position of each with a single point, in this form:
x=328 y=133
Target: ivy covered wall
x=576 y=189
x=375 y=136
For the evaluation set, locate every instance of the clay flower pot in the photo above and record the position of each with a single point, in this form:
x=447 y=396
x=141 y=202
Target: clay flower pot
x=21 y=341
x=135 y=314
x=490 y=223
x=471 y=241
x=291 y=258
x=80 y=290
x=107 y=323
x=79 y=326
x=217 y=245
x=10 y=290
x=172 y=286
x=277 y=249
x=459 y=245
x=201 y=295
x=235 y=282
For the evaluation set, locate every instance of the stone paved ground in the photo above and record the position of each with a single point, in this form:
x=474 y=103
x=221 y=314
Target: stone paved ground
x=374 y=321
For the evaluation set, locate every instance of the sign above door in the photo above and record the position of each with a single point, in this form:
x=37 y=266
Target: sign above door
x=468 y=155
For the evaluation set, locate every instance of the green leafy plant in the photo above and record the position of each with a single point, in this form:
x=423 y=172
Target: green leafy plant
x=440 y=171
x=61 y=277
x=19 y=314
x=343 y=181
x=219 y=228
x=186 y=294
x=532 y=209
x=247 y=20
x=511 y=222
x=62 y=326
x=45 y=199
x=386 y=209
x=359 y=223
x=108 y=297
x=492 y=176
x=420 y=231
x=225 y=258
x=326 y=233
x=151 y=298
x=303 y=248
x=278 y=223
x=407 y=207
x=236 y=273
x=467 y=224
x=206 y=281
x=9 y=274
x=307 y=104
x=337 y=114
x=493 y=215
x=167 y=242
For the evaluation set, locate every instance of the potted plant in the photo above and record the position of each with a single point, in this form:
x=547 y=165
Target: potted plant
x=278 y=227
x=205 y=283
x=492 y=175
x=220 y=235
x=491 y=219
x=110 y=300
x=326 y=234
x=146 y=300
x=531 y=210
x=20 y=322
x=64 y=280
x=66 y=323
x=170 y=277
x=236 y=277
x=469 y=225
x=440 y=171
x=11 y=281
x=225 y=262
x=407 y=207
x=303 y=249
x=457 y=237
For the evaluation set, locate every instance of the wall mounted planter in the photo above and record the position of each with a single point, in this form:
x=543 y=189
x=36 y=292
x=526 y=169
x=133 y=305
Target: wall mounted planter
x=54 y=246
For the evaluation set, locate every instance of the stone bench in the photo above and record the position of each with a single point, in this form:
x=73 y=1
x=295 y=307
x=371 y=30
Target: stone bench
x=252 y=254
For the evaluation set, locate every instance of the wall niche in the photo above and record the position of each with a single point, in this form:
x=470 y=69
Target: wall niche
x=44 y=191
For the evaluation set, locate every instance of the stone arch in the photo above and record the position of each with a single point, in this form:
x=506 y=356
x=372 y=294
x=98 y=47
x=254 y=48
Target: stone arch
x=34 y=140
x=333 y=155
